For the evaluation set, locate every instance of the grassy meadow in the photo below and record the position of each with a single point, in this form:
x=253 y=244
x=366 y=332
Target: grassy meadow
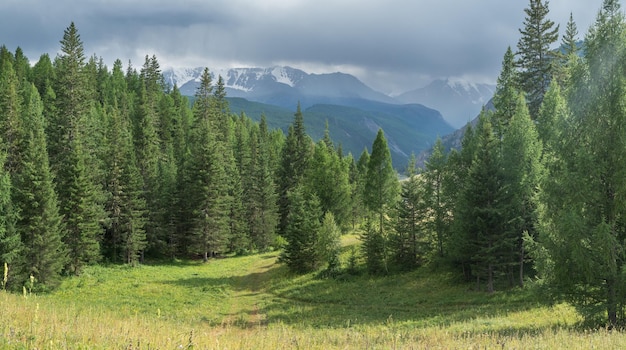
x=253 y=302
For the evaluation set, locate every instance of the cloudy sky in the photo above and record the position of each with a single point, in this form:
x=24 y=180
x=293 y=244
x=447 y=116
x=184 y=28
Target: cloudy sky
x=391 y=45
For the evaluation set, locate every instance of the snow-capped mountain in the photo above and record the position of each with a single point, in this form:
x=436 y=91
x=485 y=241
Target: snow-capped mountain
x=458 y=101
x=281 y=86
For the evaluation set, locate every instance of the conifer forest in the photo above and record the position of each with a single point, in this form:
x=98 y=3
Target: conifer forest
x=109 y=165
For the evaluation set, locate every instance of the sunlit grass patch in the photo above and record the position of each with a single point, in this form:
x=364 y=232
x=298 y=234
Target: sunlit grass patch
x=254 y=302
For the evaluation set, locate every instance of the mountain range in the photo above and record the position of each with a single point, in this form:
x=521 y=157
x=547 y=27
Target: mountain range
x=354 y=111
x=458 y=101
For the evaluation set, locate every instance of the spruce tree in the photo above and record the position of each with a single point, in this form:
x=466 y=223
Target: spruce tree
x=301 y=254
x=409 y=242
x=125 y=238
x=505 y=98
x=381 y=183
x=208 y=188
x=294 y=159
x=438 y=201
x=40 y=223
x=521 y=154
x=327 y=177
x=534 y=51
x=329 y=244
x=10 y=117
x=480 y=240
x=73 y=156
x=11 y=245
x=148 y=148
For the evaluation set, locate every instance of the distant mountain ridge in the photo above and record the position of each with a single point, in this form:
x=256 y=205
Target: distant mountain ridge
x=280 y=86
x=458 y=101
x=411 y=121
x=408 y=128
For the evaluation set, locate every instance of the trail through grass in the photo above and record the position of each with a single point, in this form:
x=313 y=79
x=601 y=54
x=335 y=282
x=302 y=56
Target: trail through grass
x=253 y=302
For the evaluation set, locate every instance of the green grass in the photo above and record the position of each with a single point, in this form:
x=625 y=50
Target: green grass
x=254 y=302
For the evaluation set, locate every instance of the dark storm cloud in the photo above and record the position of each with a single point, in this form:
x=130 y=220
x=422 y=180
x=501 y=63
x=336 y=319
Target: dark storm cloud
x=392 y=45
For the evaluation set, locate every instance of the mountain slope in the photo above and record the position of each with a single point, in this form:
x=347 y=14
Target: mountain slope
x=458 y=101
x=281 y=86
x=408 y=128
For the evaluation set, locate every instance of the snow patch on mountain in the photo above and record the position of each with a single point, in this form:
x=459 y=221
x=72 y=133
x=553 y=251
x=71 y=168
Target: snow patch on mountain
x=281 y=76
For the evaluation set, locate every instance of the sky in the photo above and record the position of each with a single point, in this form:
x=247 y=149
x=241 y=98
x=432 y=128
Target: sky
x=391 y=45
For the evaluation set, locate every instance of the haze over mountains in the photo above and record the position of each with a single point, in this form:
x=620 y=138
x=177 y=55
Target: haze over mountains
x=412 y=121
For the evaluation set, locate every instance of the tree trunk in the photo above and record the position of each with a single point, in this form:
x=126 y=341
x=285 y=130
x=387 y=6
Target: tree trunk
x=490 y=278
x=611 y=303
x=521 y=265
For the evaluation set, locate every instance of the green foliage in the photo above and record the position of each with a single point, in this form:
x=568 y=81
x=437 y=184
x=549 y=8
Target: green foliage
x=374 y=249
x=329 y=244
x=327 y=177
x=302 y=252
x=409 y=242
x=381 y=182
x=39 y=223
x=534 y=49
x=580 y=251
x=294 y=162
x=438 y=201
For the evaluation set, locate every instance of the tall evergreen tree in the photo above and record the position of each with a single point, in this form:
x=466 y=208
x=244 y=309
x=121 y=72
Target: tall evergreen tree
x=77 y=173
x=535 y=57
x=10 y=117
x=125 y=237
x=148 y=147
x=302 y=231
x=437 y=200
x=294 y=161
x=505 y=98
x=208 y=188
x=381 y=184
x=39 y=223
x=521 y=153
x=408 y=241
x=329 y=243
x=583 y=231
x=327 y=177
x=11 y=247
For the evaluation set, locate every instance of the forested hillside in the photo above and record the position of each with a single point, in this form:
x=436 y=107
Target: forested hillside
x=109 y=166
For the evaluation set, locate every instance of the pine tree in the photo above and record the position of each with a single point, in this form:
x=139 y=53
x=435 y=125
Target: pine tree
x=535 y=57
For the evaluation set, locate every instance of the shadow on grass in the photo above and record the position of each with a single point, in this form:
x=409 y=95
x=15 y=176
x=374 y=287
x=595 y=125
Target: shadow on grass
x=416 y=299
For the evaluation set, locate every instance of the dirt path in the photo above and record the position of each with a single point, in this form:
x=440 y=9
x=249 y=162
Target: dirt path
x=249 y=295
